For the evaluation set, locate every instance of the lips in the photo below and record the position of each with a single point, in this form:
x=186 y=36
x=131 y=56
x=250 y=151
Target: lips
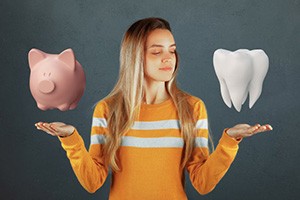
x=166 y=68
x=239 y=73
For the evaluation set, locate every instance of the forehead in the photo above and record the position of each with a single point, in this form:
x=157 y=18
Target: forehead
x=160 y=36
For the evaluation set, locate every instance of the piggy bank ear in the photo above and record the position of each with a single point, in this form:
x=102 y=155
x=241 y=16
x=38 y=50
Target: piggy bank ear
x=35 y=56
x=68 y=57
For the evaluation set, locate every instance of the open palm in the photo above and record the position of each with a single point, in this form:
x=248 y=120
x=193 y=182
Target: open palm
x=245 y=130
x=56 y=128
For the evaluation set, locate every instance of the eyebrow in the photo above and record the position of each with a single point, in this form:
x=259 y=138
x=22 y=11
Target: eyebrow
x=158 y=45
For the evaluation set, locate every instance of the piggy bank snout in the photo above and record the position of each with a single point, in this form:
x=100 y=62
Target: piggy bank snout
x=46 y=86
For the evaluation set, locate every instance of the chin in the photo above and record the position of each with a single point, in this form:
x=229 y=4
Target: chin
x=165 y=79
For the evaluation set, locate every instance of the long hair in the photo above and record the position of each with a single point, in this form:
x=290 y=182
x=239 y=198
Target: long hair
x=125 y=98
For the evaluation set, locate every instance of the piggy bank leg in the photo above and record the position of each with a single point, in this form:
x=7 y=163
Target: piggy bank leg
x=73 y=105
x=42 y=107
x=63 y=107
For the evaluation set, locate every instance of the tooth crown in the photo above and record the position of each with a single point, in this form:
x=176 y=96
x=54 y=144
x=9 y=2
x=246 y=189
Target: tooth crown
x=239 y=73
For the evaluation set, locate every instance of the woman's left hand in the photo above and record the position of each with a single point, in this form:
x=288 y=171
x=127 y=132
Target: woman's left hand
x=245 y=130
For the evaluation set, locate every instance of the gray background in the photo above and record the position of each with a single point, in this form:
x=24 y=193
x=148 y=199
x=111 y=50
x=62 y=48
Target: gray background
x=34 y=166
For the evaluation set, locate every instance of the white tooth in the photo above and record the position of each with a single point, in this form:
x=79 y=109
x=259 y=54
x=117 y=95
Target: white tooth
x=219 y=59
x=241 y=72
x=244 y=51
x=260 y=66
x=234 y=71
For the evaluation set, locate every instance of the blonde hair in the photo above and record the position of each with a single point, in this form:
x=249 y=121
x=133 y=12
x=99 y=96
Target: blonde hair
x=125 y=98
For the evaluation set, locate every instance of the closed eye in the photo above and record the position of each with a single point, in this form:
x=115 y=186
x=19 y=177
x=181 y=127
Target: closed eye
x=155 y=53
x=172 y=50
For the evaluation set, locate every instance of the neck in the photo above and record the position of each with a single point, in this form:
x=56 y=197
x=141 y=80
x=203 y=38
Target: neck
x=155 y=92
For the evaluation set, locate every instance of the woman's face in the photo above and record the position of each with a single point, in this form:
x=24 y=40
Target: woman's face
x=160 y=58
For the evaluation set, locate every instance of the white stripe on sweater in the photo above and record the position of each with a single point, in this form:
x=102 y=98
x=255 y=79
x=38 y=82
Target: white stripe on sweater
x=157 y=142
x=99 y=122
x=152 y=125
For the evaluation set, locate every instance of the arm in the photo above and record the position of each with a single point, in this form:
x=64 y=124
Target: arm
x=206 y=170
x=88 y=166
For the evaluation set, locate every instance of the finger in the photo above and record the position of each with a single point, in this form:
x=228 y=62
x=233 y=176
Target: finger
x=58 y=130
x=53 y=127
x=252 y=129
x=51 y=130
x=58 y=127
x=38 y=124
x=43 y=126
x=47 y=129
x=50 y=133
x=269 y=127
x=264 y=128
x=40 y=127
x=260 y=129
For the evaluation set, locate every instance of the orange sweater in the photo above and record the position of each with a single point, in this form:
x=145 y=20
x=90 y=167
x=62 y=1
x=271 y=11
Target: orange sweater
x=150 y=155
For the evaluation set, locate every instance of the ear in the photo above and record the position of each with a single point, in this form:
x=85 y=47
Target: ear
x=68 y=57
x=35 y=56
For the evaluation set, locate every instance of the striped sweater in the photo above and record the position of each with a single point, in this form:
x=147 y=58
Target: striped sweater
x=150 y=155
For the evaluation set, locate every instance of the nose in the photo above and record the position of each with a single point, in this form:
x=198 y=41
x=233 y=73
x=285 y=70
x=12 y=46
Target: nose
x=166 y=60
x=46 y=86
x=167 y=57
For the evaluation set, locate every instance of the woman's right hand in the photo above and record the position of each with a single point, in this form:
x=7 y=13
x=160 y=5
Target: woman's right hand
x=56 y=128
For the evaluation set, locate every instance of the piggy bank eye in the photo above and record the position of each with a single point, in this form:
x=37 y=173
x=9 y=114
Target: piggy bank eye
x=49 y=74
x=44 y=74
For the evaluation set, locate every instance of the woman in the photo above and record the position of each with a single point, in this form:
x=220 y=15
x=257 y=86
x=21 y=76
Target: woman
x=147 y=130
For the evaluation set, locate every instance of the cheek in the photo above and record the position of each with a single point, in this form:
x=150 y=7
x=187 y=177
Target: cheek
x=152 y=62
x=174 y=59
x=149 y=69
x=153 y=58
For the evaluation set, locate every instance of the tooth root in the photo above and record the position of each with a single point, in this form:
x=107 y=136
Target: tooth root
x=245 y=95
x=225 y=93
x=260 y=67
x=238 y=84
x=238 y=105
x=219 y=58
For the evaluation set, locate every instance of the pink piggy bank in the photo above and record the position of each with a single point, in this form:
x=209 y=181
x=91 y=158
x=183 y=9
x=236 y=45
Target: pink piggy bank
x=56 y=80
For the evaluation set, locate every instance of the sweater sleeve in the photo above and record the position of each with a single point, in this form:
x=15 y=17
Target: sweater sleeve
x=206 y=170
x=89 y=166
